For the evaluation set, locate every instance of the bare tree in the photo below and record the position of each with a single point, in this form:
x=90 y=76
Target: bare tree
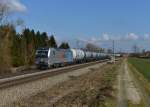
x=5 y=39
x=110 y=51
x=3 y=12
x=7 y=29
x=135 y=48
x=92 y=47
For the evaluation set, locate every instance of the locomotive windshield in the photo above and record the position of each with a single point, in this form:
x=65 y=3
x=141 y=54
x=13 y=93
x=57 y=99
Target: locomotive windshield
x=42 y=54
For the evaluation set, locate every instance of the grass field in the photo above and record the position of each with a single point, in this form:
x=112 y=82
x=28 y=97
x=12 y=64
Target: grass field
x=142 y=65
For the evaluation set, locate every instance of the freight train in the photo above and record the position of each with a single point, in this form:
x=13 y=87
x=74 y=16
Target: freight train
x=54 y=57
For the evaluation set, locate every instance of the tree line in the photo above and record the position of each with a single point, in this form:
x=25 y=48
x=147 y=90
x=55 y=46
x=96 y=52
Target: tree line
x=18 y=49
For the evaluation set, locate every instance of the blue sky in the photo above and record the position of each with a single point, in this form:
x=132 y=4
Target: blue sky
x=90 y=20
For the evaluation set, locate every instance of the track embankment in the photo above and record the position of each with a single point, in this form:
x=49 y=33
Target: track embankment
x=27 y=89
x=36 y=74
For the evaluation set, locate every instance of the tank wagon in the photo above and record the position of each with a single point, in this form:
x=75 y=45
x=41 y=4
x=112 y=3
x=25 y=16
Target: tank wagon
x=53 y=57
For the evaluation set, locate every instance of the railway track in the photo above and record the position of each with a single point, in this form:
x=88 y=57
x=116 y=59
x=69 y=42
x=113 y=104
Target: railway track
x=24 y=78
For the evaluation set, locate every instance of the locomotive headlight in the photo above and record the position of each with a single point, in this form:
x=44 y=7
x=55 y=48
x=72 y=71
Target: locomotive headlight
x=44 y=60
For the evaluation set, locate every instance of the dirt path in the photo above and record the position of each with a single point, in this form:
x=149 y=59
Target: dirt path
x=122 y=98
x=130 y=94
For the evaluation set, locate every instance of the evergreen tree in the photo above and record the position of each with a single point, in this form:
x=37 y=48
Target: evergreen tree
x=64 y=45
x=16 y=51
x=41 y=39
x=37 y=40
x=29 y=45
x=52 y=42
x=44 y=39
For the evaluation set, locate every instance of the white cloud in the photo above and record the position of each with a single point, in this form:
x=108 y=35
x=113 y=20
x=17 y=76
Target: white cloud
x=146 y=37
x=132 y=36
x=109 y=37
x=92 y=40
x=82 y=40
x=13 y=5
x=105 y=36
